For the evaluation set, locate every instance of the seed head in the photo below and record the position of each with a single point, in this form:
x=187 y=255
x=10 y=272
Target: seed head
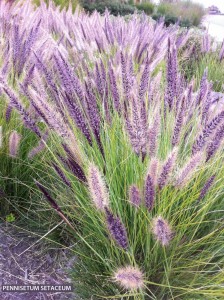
x=130 y=278
x=206 y=187
x=14 y=141
x=189 y=169
x=117 y=229
x=153 y=169
x=153 y=136
x=134 y=196
x=97 y=188
x=149 y=193
x=167 y=169
x=162 y=231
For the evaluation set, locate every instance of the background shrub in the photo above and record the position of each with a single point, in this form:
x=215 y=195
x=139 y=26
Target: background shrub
x=147 y=7
x=115 y=8
x=187 y=13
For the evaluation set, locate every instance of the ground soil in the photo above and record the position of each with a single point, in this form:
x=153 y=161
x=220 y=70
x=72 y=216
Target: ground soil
x=23 y=261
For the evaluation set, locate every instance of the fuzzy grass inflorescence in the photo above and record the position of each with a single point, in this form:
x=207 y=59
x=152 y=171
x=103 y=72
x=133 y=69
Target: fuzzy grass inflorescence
x=125 y=151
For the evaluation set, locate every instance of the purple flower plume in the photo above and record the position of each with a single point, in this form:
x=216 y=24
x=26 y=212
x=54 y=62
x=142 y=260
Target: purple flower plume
x=167 y=169
x=117 y=229
x=40 y=146
x=144 y=80
x=29 y=77
x=49 y=79
x=153 y=169
x=68 y=78
x=162 y=231
x=16 y=46
x=102 y=86
x=93 y=113
x=207 y=132
x=206 y=187
x=221 y=53
x=137 y=127
x=126 y=85
x=78 y=117
x=216 y=142
x=14 y=142
x=130 y=278
x=134 y=196
x=26 y=47
x=174 y=70
x=206 y=105
x=189 y=168
x=203 y=87
x=51 y=201
x=149 y=193
x=206 y=43
x=141 y=52
x=177 y=128
x=8 y=113
x=17 y=105
x=36 y=150
x=114 y=90
x=171 y=76
x=76 y=170
x=73 y=165
x=153 y=136
x=97 y=188
x=61 y=174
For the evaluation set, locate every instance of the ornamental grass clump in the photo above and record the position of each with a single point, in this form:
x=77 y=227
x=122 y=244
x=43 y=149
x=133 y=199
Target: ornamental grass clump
x=123 y=155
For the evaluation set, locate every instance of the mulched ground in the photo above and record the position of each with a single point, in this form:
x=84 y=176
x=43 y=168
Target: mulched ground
x=33 y=266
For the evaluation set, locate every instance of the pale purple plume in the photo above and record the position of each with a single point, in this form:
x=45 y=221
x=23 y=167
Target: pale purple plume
x=203 y=87
x=153 y=169
x=134 y=196
x=171 y=89
x=206 y=187
x=221 y=53
x=15 y=102
x=36 y=150
x=189 y=169
x=178 y=127
x=208 y=130
x=162 y=231
x=215 y=143
x=144 y=80
x=149 y=193
x=167 y=169
x=129 y=277
x=153 y=136
x=8 y=113
x=97 y=188
x=14 y=143
x=40 y=146
x=136 y=125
